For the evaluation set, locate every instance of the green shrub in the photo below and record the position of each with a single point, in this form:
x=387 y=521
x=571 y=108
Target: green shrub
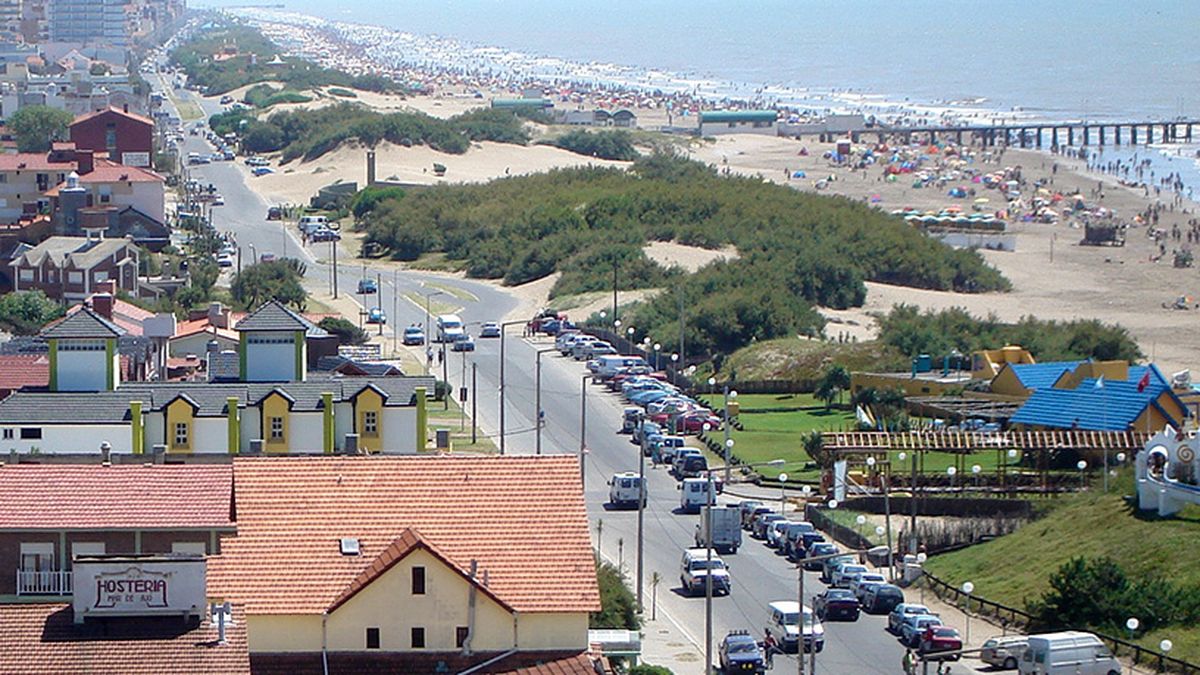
x=341 y=93
x=617 y=145
x=618 y=607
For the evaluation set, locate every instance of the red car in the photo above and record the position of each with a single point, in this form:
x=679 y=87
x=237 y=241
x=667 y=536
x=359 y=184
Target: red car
x=693 y=423
x=937 y=639
x=615 y=381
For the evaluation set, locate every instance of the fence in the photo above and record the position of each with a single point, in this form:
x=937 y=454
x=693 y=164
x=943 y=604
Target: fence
x=839 y=532
x=1011 y=616
x=944 y=506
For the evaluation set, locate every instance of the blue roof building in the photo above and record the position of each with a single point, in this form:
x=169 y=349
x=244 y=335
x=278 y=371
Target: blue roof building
x=1143 y=401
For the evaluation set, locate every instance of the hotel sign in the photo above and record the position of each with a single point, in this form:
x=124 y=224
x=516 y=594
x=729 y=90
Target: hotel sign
x=141 y=159
x=138 y=586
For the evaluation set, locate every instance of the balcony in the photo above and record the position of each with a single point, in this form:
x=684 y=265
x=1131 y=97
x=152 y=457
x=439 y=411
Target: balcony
x=51 y=582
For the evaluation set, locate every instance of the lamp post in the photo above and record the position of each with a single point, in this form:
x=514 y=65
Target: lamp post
x=583 y=431
x=968 y=588
x=503 y=330
x=860 y=520
x=975 y=469
x=782 y=493
x=641 y=421
x=729 y=395
x=1082 y=466
x=657 y=351
x=812 y=652
x=537 y=396
x=950 y=471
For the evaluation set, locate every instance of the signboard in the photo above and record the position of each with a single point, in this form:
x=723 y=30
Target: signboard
x=138 y=585
x=135 y=159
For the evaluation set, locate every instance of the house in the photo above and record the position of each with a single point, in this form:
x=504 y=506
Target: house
x=26 y=176
x=1022 y=379
x=127 y=138
x=718 y=122
x=1135 y=398
x=597 y=117
x=71 y=268
x=378 y=577
x=52 y=513
x=99 y=183
x=343 y=366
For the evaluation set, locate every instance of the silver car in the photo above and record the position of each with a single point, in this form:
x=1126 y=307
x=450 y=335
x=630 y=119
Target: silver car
x=1004 y=652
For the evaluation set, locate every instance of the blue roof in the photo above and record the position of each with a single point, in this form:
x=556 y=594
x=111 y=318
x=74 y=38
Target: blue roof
x=1112 y=407
x=1041 y=375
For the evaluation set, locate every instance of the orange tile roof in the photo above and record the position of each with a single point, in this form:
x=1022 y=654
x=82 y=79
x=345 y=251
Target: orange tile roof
x=121 y=496
x=186 y=328
x=42 y=638
x=425 y=663
x=20 y=370
x=521 y=518
x=112 y=109
x=33 y=161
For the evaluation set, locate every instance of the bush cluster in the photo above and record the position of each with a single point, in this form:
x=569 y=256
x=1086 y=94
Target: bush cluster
x=940 y=333
x=616 y=145
x=796 y=249
x=265 y=96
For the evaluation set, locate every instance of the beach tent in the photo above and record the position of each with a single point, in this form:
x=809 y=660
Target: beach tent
x=799 y=174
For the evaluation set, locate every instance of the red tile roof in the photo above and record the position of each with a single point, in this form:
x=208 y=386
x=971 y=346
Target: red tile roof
x=186 y=328
x=121 y=496
x=33 y=161
x=424 y=663
x=111 y=109
x=521 y=518
x=125 y=314
x=105 y=171
x=20 y=370
x=43 y=639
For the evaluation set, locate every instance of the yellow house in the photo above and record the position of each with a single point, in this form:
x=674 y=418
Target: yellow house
x=987 y=363
x=381 y=562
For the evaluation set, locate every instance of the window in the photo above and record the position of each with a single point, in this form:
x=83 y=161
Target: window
x=418 y=637
x=372 y=638
x=26 y=275
x=31 y=433
x=99 y=276
x=8 y=434
x=181 y=434
x=370 y=423
x=192 y=547
x=37 y=557
x=75 y=278
x=418 y=581
x=460 y=636
x=110 y=139
x=277 y=428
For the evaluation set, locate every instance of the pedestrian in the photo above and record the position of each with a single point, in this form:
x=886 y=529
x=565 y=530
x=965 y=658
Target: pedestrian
x=909 y=662
x=769 y=648
x=441 y=355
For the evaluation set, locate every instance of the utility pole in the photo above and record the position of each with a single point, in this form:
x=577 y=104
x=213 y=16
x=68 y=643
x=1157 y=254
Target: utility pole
x=396 y=313
x=641 y=421
x=708 y=576
x=333 y=247
x=474 y=398
x=379 y=291
x=583 y=431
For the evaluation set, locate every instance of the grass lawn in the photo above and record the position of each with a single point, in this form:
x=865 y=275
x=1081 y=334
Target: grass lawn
x=775 y=425
x=452 y=291
x=459 y=425
x=188 y=110
x=437 y=304
x=1015 y=568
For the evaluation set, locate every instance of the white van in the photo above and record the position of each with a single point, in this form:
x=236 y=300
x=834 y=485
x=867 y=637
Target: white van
x=1069 y=652
x=449 y=328
x=624 y=490
x=783 y=620
x=310 y=224
x=695 y=568
x=611 y=364
x=692 y=495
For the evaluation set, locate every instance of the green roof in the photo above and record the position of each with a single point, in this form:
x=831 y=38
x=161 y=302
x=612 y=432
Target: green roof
x=738 y=116
x=522 y=103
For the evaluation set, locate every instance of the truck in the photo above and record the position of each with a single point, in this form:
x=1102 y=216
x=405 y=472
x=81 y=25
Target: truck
x=726 y=528
x=1068 y=653
x=624 y=490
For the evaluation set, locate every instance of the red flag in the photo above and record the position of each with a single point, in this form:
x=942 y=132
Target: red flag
x=1144 y=382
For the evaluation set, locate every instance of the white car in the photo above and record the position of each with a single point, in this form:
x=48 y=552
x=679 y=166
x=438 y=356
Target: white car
x=218 y=201
x=863 y=578
x=842 y=575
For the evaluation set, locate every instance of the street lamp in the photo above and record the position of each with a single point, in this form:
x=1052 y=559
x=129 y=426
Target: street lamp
x=537 y=397
x=1131 y=624
x=657 y=351
x=975 y=469
x=860 y=520
x=1082 y=466
x=583 y=431
x=729 y=395
x=950 y=471
x=968 y=588
x=427 y=297
x=503 y=329
x=782 y=493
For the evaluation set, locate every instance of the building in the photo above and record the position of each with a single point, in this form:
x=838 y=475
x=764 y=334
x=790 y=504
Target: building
x=986 y=363
x=718 y=122
x=126 y=137
x=23 y=370
x=72 y=268
x=1105 y=396
x=533 y=103
x=378 y=577
x=100 y=185
x=1022 y=379
x=54 y=512
x=599 y=117
x=88 y=21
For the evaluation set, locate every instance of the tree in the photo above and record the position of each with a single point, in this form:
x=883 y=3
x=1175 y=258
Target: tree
x=26 y=312
x=262 y=137
x=618 y=607
x=275 y=280
x=37 y=126
x=835 y=381
x=346 y=332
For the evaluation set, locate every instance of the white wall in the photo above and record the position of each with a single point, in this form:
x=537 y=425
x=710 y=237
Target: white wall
x=306 y=432
x=70 y=438
x=343 y=423
x=147 y=197
x=400 y=430
x=82 y=371
x=274 y=362
x=251 y=426
x=155 y=426
x=210 y=435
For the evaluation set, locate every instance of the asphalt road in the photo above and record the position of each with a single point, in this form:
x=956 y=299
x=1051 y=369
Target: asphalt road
x=759 y=576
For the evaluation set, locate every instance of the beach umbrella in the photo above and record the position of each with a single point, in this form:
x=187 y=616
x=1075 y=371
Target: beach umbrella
x=875 y=199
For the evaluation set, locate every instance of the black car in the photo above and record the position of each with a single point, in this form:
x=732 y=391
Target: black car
x=836 y=603
x=882 y=599
x=740 y=653
x=819 y=548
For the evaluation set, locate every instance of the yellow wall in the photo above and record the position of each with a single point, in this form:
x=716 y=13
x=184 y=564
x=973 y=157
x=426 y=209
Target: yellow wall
x=1007 y=383
x=549 y=630
x=284 y=633
x=368 y=400
x=274 y=405
x=180 y=410
x=987 y=363
x=911 y=386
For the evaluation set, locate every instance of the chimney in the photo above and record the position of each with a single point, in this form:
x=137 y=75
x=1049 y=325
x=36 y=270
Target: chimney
x=107 y=286
x=105 y=453
x=102 y=304
x=225 y=610
x=217 y=316
x=85 y=161
x=126 y=109
x=351 y=446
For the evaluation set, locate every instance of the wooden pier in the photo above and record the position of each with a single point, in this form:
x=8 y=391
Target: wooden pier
x=1032 y=134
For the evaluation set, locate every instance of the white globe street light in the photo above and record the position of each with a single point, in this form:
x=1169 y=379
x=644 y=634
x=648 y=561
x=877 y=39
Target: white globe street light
x=860 y=519
x=1081 y=465
x=902 y=456
x=1121 y=457
x=833 y=503
x=976 y=469
x=967 y=588
x=879 y=530
x=1166 y=645
x=950 y=471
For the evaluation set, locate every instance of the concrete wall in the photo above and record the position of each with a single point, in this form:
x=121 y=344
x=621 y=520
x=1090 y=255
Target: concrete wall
x=343 y=423
x=82 y=370
x=273 y=362
x=306 y=432
x=197 y=344
x=719 y=128
x=70 y=438
x=211 y=435
x=400 y=430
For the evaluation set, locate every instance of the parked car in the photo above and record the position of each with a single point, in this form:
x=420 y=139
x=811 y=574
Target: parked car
x=489 y=329
x=937 y=640
x=914 y=627
x=624 y=489
x=739 y=653
x=762 y=522
x=899 y=612
x=699 y=420
x=225 y=261
x=818 y=549
x=261 y=170
x=831 y=565
x=376 y=315
x=844 y=574
x=794 y=542
x=696 y=566
x=836 y=603
x=274 y=213
x=367 y=286
x=218 y=200
x=858 y=582
x=324 y=234
x=1004 y=651
x=267 y=257
x=1069 y=653
x=749 y=514
x=413 y=335
x=882 y=598
x=784 y=625
x=464 y=343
